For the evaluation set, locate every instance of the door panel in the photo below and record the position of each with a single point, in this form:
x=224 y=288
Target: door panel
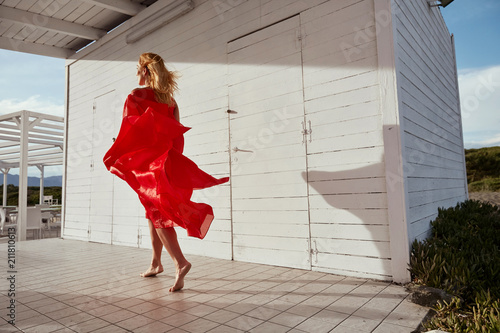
x=268 y=157
x=101 y=181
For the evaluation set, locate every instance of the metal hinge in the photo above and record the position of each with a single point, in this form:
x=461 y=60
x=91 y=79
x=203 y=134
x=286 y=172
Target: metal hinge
x=300 y=37
x=306 y=132
x=314 y=252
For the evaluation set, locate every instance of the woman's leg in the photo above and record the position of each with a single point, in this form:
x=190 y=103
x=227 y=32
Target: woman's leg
x=157 y=245
x=168 y=237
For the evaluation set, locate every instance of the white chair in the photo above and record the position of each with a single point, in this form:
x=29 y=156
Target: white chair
x=46 y=222
x=3 y=218
x=7 y=219
x=34 y=221
x=48 y=199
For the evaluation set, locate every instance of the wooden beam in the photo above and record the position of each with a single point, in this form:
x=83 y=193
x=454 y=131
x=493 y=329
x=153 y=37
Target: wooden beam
x=122 y=6
x=33 y=48
x=49 y=23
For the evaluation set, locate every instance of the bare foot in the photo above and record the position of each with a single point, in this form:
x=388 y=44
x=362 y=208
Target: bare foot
x=152 y=271
x=179 y=278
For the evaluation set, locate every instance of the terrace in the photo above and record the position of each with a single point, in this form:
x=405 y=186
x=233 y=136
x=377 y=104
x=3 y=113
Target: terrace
x=73 y=286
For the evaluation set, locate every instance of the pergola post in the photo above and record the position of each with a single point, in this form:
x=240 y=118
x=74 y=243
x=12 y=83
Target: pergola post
x=23 y=177
x=41 y=168
x=5 y=174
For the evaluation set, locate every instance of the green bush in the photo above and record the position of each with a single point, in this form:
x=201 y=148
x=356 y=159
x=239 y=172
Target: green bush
x=462 y=257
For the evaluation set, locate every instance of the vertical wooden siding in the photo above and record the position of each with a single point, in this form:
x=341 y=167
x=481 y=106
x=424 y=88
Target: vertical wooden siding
x=428 y=100
x=346 y=172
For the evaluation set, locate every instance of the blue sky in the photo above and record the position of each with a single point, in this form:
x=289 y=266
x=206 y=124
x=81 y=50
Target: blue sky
x=36 y=83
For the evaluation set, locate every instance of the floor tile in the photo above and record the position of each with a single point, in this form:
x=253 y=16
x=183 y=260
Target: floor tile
x=390 y=328
x=360 y=324
x=143 y=307
x=117 y=316
x=201 y=310
x=154 y=327
x=111 y=329
x=135 y=322
x=348 y=304
x=288 y=319
x=225 y=329
x=268 y=327
x=32 y=321
x=8 y=328
x=316 y=326
x=199 y=325
x=407 y=314
x=222 y=316
x=244 y=323
x=160 y=313
x=179 y=319
x=47 y=327
x=263 y=313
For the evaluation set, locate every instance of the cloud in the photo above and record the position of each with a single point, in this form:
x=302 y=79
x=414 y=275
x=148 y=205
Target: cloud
x=480 y=104
x=493 y=141
x=33 y=103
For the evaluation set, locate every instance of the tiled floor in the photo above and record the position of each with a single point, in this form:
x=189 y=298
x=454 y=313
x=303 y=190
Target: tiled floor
x=72 y=286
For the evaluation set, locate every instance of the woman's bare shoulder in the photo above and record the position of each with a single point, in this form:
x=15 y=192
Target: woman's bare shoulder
x=139 y=91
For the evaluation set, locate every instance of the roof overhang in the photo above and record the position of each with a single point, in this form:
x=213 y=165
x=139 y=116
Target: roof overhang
x=442 y=3
x=60 y=28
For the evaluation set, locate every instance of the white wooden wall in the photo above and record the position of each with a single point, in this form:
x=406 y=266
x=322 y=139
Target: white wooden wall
x=347 y=195
x=341 y=224
x=428 y=101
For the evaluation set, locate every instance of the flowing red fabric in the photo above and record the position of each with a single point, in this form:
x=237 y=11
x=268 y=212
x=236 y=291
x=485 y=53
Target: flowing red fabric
x=147 y=154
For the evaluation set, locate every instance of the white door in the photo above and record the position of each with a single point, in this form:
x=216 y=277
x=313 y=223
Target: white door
x=101 y=180
x=270 y=217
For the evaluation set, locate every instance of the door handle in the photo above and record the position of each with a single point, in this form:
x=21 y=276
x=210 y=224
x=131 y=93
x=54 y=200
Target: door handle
x=236 y=149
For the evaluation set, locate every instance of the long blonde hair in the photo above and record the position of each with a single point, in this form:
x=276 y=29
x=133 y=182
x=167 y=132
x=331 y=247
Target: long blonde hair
x=160 y=79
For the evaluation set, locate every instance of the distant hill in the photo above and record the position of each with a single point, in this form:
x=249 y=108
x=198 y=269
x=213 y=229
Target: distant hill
x=33 y=181
x=483 y=169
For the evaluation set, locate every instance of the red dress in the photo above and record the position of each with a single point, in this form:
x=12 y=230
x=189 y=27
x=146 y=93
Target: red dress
x=147 y=154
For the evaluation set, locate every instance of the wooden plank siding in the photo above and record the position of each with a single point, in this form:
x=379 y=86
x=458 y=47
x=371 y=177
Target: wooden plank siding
x=428 y=94
x=348 y=208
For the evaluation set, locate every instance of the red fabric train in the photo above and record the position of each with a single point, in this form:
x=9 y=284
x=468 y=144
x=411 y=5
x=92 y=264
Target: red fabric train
x=147 y=154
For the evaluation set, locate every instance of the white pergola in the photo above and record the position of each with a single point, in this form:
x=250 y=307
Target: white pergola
x=29 y=139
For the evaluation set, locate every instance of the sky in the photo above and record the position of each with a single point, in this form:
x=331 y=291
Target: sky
x=36 y=83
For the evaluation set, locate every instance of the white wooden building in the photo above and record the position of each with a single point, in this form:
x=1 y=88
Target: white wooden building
x=338 y=122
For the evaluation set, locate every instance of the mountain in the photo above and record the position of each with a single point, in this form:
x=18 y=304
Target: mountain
x=33 y=181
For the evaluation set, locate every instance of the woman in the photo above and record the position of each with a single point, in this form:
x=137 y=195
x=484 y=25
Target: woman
x=147 y=154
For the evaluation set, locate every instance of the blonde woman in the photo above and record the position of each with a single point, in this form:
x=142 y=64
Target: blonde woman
x=147 y=154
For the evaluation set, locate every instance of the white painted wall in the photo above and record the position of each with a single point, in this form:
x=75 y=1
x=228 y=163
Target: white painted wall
x=347 y=194
x=342 y=222
x=433 y=153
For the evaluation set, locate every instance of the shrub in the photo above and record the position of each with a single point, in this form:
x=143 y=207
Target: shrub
x=462 y=257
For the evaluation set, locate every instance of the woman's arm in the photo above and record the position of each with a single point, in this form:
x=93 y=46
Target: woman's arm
x=176 y=113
